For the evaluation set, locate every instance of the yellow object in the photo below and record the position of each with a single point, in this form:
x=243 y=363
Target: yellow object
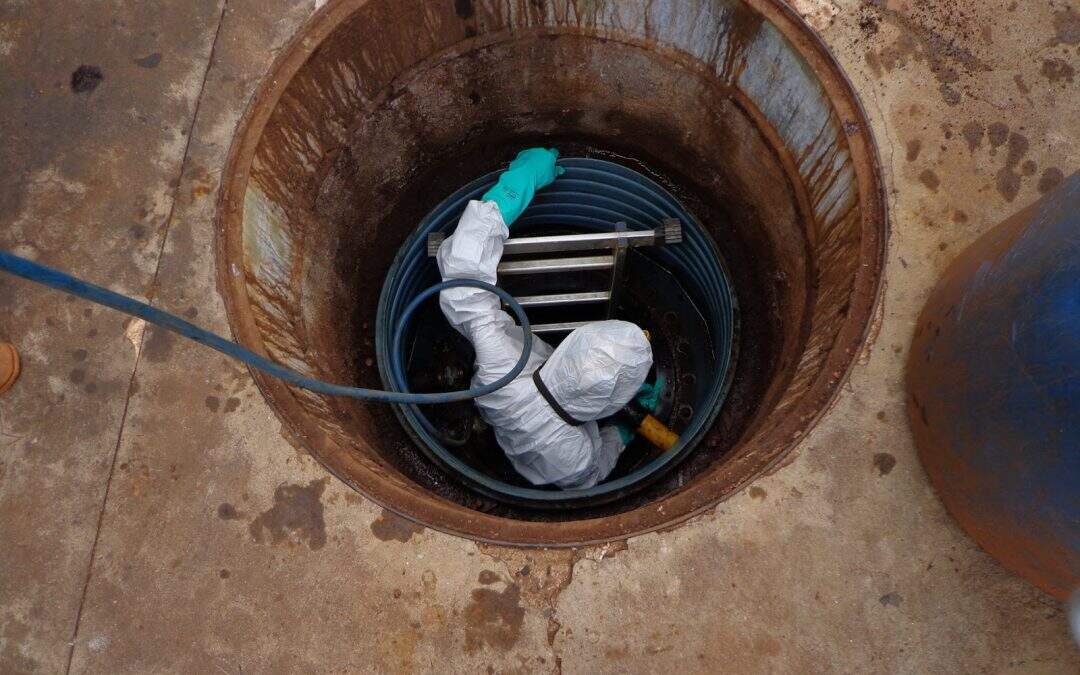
x=654 y=431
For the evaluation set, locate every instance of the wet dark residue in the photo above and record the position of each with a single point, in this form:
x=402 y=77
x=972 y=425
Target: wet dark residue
x=149 y=61
x=227 y=511
x=464 y=9
x=1057 y=71
x=159 y=345
x=1050 y=179
x=391 y=527
x=1008 y=180
x=86 y=79
x=973 y=134
x=884 y=463
x=1066 y=26
x=914 y=146
x=891 y=600
x=493 y=618
x=927 y=35
x=930 y=179
x=297 y=514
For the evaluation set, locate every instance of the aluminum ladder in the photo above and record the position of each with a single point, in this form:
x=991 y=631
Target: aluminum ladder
x=614 y=244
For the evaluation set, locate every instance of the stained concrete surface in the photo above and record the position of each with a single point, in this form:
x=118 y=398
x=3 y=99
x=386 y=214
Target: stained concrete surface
x=155 y=518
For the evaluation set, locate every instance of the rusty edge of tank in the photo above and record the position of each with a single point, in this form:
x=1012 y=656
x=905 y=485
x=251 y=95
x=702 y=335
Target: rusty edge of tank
x=764 y=449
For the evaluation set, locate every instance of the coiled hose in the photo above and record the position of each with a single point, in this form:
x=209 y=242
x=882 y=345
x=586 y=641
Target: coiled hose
x=47 y=276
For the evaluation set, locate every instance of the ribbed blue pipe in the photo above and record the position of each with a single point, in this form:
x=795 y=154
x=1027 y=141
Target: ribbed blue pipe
x=592 y=195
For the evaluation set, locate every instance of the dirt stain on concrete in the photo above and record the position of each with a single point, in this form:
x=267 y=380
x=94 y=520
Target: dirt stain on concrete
x=1057 y=70
x=1021 y=85
x=159 y=345
x=1008 y=180
x=1050 y=179
x=930 y=180
x=149 y=61
x=1066 y=27
x=86 y=79
x=973 y=134
x=389 y=526
x=884 y=462
x=913 y=148
x=756 y=492
x=998 y=133
x=891 y=600
x=297 y=513
x=493 y=618
x=918 y=41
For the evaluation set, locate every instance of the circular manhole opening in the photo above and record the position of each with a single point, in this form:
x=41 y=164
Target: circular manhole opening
x=680 y=293
x=380 y=110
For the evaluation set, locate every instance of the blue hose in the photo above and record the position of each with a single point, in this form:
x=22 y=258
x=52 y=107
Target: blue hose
x=47 y=276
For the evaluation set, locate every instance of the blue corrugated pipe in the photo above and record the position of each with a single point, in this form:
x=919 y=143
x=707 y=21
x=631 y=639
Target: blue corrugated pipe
x=47 y=276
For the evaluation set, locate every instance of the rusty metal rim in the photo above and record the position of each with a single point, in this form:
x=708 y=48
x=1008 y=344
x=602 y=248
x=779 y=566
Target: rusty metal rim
x=759 y=454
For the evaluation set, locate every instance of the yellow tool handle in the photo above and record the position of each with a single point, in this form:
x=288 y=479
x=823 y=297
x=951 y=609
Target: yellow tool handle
x=654 y=431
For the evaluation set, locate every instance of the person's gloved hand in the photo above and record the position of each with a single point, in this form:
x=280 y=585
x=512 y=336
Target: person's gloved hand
x=626 y=434
x=648 y=396
x=530 y=171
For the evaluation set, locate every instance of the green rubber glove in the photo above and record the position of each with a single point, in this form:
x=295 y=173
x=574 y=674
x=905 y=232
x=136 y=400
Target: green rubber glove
x=532 y=170
x=625 y=433
x=648 y=396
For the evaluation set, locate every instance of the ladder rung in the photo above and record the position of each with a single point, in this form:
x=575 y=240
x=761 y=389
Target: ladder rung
x=555 y=299
x=593 y=262
x=564 y=327
x=581 y=242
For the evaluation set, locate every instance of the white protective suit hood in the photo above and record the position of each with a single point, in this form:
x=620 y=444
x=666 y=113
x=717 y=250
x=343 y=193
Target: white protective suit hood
x=598 y=368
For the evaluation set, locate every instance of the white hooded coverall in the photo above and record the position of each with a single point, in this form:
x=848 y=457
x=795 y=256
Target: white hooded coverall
x=593 y=373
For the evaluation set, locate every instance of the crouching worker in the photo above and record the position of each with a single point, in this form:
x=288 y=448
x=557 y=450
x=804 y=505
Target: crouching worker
x=546 y=419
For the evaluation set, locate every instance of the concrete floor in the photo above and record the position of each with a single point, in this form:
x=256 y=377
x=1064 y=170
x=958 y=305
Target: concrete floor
x=153 y=517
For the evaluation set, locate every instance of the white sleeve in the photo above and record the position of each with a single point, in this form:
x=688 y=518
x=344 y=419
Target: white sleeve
x=611 y=447
x=600 y=447
x=473 y=251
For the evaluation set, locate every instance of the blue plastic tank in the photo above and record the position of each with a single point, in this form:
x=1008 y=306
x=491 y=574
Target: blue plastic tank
x=993 y=386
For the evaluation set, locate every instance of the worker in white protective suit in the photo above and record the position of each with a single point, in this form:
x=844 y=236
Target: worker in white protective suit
x=545 y=420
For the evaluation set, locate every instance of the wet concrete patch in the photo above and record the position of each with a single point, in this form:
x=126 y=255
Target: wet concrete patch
x=884 y=463
x=297 y=515
x=227 y=511
x=493 y=618
x=391 y=527
x=159 y=345
x=930 y=179
x=149 y=61
x=1066 y=27
x=891 y=600
x=86 y=79
x=1057 y=71
x=1050 y=179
